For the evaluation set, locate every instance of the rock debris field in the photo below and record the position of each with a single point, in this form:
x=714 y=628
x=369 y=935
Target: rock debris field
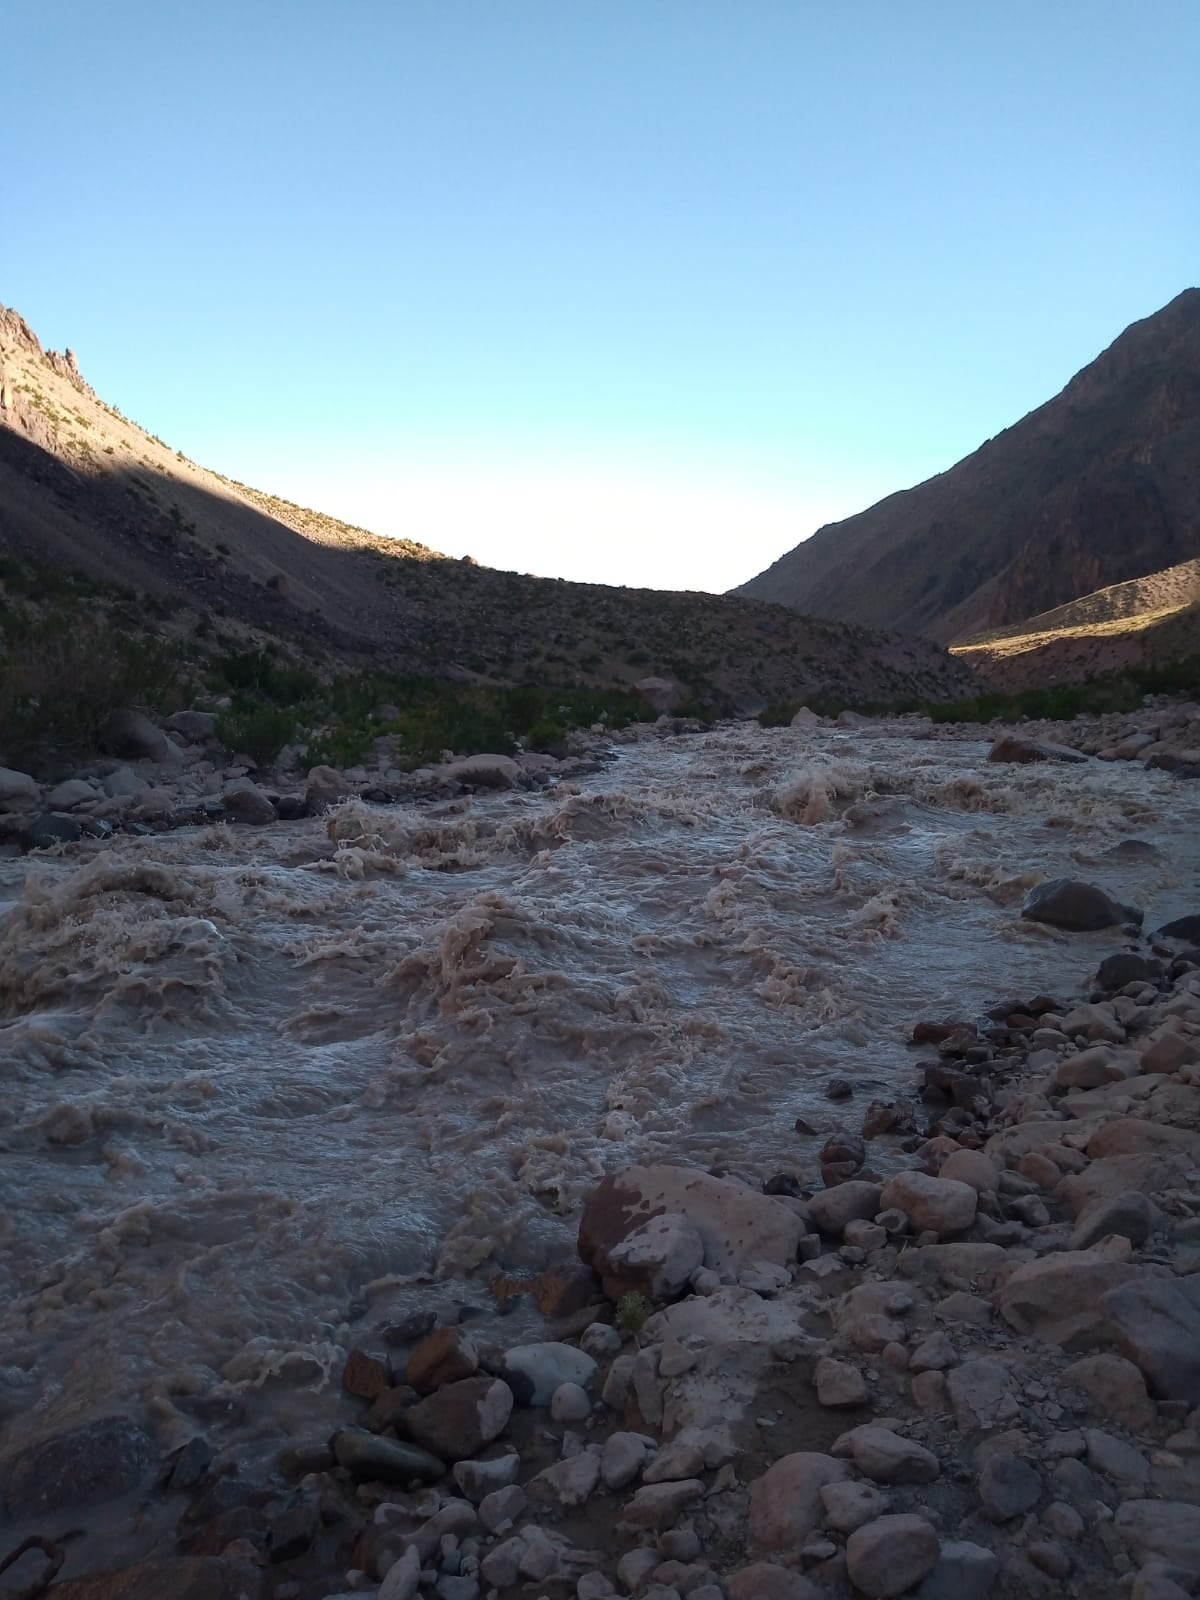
x=779 y=1179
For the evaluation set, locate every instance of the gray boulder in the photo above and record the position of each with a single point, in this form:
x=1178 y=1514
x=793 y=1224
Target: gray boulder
x=246 y=802
x=134 y=737
x=196 y=727
x=18 y=791
x=1156 y=1323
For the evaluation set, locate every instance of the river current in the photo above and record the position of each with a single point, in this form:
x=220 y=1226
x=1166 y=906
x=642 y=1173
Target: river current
x=267 y=1090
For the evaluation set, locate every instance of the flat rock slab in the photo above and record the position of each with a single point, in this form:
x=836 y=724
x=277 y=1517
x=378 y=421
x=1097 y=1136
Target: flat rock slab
x=737 y=1225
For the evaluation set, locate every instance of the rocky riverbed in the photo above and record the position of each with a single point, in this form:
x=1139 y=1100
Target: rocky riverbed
x=695 y=1177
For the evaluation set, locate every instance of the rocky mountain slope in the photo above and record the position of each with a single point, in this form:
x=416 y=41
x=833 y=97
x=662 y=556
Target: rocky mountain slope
x=1137 y=623
x=84 y=488
x=1098 y=486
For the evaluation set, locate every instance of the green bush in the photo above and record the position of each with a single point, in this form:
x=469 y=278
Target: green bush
x=63 y=671
x=257 y=731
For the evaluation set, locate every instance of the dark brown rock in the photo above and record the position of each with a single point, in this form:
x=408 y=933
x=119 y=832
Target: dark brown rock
x=364 y=1376
x=109 y=1457
x=447 y=1355
x=1077 y=907
x=459 y=1419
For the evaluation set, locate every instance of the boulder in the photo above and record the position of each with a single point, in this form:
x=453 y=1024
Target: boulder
x=133 y=737
x=1155 y=1322
x=971 y=1167
x=964 y=1571
x=737 y=1225
x=245 y=802
x=482 y=772
x=657 y=1261
x=196 y=727
x=534 y=1371
x=447 y=1355
x=785 y=1503
x=1114 y=972
x=69 y=794
x=1184 y=929
x=18 y=791
x=370 y=1457
x=887 y=1457
x=1011 y=748
x=66 y=1471
x=854 y=1201
x=935 y=1205
x=324 y=788
x=1060 y=1298
x=457 y=1420
x=839 y=1384
x=805 y=718
x=890 y=1555
x=1161 y=1530
x=1130 y=1215
x=44 y=832
x=1116 y=1389
x=762 y=1580
x=849 y=1505
x=1008 y=1487
x=1077 y=907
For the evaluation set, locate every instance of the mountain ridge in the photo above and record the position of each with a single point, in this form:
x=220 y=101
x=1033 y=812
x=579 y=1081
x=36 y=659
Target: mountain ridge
x=1096 y=486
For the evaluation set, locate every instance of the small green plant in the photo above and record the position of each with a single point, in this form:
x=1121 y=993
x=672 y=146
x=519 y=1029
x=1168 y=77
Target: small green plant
x=633 y=1312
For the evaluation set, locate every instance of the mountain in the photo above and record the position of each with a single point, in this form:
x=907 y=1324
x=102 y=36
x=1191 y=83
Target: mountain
x=1097 y=486
x=84 y=489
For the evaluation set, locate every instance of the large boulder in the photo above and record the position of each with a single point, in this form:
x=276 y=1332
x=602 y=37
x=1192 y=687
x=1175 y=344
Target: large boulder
x=785 y=1503
x=245 y=802
x=70 y=793
x=324 y=788
x=935 y=1205
x=736 y=1225
x=482 y=772
x=1059 y=1298
x=1161 y=1530
x=196 y=727
x=133 y=737
x=891 y=1554
x=457 y=1420
x=18 y=791
x=1156 y=1323
x=1077 y=907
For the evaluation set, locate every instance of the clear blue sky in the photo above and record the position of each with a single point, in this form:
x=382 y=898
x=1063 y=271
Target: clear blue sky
x=634 y=290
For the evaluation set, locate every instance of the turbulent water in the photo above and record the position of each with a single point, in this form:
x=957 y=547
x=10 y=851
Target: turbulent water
x=267 y=1089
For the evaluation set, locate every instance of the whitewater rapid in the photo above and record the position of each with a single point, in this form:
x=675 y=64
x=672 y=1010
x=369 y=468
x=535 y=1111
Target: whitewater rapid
x=268 y=1090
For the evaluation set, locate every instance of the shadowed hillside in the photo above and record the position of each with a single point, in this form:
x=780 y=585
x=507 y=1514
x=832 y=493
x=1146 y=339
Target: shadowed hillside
x=83 y=487
x=1100 y=485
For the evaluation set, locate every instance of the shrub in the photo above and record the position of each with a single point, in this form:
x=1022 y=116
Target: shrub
x=63 y=672
x=257 y=731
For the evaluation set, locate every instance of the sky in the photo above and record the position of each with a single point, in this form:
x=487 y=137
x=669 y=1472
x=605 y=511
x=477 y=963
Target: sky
x=631 y=291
